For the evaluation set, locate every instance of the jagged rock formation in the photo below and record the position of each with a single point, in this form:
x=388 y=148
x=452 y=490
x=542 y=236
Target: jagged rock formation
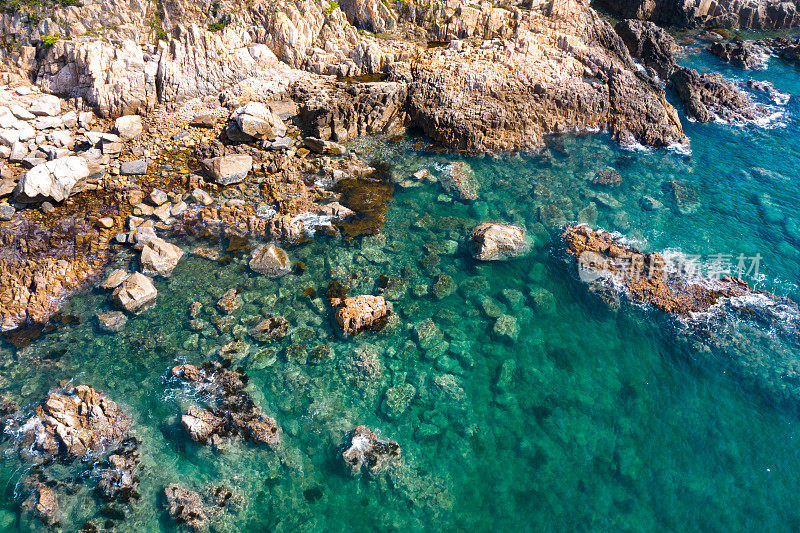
x=492 y=241
x=231 y=411
x=757 y=14
x=76 y=422
x=648 y=278
x=360 y=313
x=368 y=451
x=706 y=97
x=745 y=54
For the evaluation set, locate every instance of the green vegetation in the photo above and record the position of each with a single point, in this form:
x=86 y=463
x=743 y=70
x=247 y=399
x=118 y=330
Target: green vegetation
x=331 y=8
x=157 y=24
x=29 y=6
x=49 y=40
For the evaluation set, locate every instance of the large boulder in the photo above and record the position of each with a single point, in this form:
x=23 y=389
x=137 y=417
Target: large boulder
x=159 y=257
x=492 y=241
x=258 y=121
x=187 y=507
x=46 y=105
x=654 y=46
x=270 y=261
x=53 y=180
x=136 y=293
x=128 y=127
x=78 y=422
x=359 y=313
x=367 y=450
x=229 y=169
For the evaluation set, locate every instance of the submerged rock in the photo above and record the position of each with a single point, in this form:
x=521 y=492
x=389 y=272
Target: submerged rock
x=230 y=301
x=271 y=261
x=112 y=321
x=492 y=241
x=460 y=180
x=186 y=507
x=118 y=478
x=43 y=504
x=135 y=294
x=359 y=313
x=76 y=422
x=368 y=451
x=274 y=327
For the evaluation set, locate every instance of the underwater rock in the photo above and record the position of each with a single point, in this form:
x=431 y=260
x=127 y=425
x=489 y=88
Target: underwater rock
x=359 y=313
x=77 y=421
x=649 y=203
x=647 y=278
x=608 y=177
x=460 y=180
x=274 y=327
x=397 y=399
x=492 y=241
x=111 y=321
x=136 y=293
x=118 y=478
x=230 y=301
x=444 y=286
x=685 y=196
x=505 y=327
x=186 y=507
x=159 y=257
x=43 y=503
x=271 y=261
x=367 y=450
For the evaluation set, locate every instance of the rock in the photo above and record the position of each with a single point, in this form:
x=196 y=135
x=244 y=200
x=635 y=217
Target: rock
x=52 y=180
x=18 y=152
x=505 y=327
x=493 y=241
x=118 y=479
x=7 y=211
x=21 y=113
x=186 y=507
x=77 y=421
x=359 y=313
x=337 y=211
x=685 y=196
x=460 y=180
x=203 y=121
x=230 y=301
x=647 y=278
x=368 y=451
x=128 y=127
x=158 y=197
x=443 y=287
x=649 y=203
x=320 y=146
x=135 y=294
x=258 y=121
x=758 y=14
x=745 y=54
x=159 y=257
x=270 y=261
x=608 y=177
x=229 y=169
x=280 y=144
x=46 y=105
x=654 y=46
x=202 y=197
x=85 y=119
x=708 y=97
x=274 y=327
x=112 y=321
x=133 y=168
x=43 y=503
x=398 y=398
x=201 y=425
x=106 y=222
x=427 y=334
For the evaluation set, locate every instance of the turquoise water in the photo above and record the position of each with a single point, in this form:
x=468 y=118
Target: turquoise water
x=595 y=417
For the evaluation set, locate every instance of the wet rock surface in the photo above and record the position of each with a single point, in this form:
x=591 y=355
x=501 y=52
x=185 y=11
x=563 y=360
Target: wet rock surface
x=368 y=452
x=75 y=422
x=359 y=313
x=231 y=410
x=648 y=278
x=197 y=511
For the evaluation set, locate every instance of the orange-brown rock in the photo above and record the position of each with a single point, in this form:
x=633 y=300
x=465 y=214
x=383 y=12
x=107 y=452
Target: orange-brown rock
x=358 y=313
x=78 y=422
x=647 y=278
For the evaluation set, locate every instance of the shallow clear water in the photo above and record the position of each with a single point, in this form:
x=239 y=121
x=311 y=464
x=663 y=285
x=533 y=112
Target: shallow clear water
x=594 y=418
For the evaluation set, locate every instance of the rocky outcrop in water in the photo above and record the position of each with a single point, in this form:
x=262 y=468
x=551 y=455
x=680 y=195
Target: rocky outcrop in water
x=231 y=410
x=653 y=45
x=119 y=479
x=756 y=14
x=647 y=278
x=76 y=422
x=745 y=54
x=359 y=313
x=270 y=261
x=369 y=452
x=195 y=510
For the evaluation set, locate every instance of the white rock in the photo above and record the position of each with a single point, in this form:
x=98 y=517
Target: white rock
x=9 y=137
x=128 y=127
x=136 y=293
x=159 y=257
x=46 y=105
x=62 y=139
x=69 y=119
x=22 y=113
x=85 y=119
x=18 y=152
x=7 y=118
x=52 y=180
x=47 y=123
x=23 y=90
